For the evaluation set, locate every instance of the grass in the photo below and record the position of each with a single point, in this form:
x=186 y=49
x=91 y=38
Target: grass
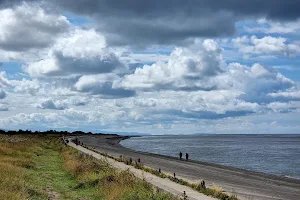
x=215 y=191
x=40 y=167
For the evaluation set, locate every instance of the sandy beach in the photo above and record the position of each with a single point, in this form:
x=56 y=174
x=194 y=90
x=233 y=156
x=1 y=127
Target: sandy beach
x=246 y=184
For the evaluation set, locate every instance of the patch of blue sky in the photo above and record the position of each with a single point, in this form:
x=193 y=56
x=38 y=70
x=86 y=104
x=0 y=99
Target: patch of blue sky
x=243 y=27
x=14 y=70
x=77 y=20
x=162 y=51
x=288 y=68
x=11 y=67
x=260 y=30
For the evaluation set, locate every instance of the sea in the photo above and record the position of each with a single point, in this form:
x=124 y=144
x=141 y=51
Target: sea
x=271 y=154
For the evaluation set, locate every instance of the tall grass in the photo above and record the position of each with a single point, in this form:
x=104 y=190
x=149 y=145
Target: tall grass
x=16 y=159
x=38 y=167
x=110 y=183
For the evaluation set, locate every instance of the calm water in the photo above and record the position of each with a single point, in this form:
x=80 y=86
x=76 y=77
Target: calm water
x=272 y=154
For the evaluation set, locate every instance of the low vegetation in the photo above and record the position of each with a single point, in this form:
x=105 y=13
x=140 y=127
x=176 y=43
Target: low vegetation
x=41 y=167
x=36 y=165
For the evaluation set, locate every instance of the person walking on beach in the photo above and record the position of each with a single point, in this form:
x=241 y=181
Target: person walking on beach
x=180 y=155
x=187 y=156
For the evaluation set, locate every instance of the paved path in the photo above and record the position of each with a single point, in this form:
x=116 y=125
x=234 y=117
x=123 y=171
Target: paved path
x=247 y=185
x=164 y=184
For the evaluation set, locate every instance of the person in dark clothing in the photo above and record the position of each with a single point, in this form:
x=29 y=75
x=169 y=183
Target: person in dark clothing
x=76 y=141
x=180 y=155
x=187 y=156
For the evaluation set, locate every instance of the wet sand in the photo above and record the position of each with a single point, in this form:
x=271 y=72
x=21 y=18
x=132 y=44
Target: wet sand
x=246 y=184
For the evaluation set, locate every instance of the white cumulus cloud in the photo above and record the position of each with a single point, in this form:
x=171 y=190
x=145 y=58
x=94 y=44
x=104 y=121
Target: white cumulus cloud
x=79 y=52
x=267 y=45
x=187 y=69
x=50 y=104
x=28 y=26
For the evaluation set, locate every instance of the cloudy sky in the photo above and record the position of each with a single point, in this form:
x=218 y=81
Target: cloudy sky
x=159 y=67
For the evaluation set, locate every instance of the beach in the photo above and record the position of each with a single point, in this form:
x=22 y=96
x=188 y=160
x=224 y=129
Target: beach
x=246 y=184
x=267 y=153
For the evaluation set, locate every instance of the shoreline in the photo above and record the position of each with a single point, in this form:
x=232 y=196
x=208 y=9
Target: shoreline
x=245 y=183
x=275 y=176
x=162 y=184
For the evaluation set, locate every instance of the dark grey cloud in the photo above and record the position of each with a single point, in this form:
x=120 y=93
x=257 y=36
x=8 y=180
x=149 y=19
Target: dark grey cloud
x=173 y=87
x=90 y=65
x=10 y=3
x=62 y=65
x=173 y=21
x=281 y=9
x=106 y=90
x=80 y=103
x=3 y=107
x=151 y=9
x=139 y=23
x=2 y=94
x=104 y=85
x=213 y=115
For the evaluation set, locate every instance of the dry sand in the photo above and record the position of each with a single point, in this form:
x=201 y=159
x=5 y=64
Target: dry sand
x=246 y=184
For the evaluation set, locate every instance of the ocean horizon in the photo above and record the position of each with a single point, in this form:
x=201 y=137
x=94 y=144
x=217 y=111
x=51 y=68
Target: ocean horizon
x=276 y=154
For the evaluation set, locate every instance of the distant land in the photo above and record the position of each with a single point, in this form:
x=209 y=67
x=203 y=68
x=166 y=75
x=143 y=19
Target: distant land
x=73 y=132
x=130 y=133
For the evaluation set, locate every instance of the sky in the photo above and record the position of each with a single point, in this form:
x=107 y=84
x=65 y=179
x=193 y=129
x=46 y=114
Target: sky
x=155 y=67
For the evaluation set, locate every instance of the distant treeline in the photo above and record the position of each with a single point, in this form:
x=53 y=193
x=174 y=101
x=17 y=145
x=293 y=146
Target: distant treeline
x=49 y=132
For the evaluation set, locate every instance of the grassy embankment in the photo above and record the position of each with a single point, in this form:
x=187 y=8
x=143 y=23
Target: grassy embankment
x=215 y=191
x=40 y=167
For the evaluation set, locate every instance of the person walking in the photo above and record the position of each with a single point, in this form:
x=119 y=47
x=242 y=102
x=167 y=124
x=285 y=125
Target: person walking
x=187 y=156
x=180 y=155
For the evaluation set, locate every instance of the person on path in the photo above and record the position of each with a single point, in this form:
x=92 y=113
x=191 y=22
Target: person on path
x=76 y=141
x=187 y=156
x=180 y=155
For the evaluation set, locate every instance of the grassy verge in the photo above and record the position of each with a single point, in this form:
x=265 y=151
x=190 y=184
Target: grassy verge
x=216 y=192
x=40 y=167
x=17 y=155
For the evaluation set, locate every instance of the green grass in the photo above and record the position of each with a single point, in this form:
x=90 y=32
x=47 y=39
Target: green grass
x=36 y=167
x=50 y=173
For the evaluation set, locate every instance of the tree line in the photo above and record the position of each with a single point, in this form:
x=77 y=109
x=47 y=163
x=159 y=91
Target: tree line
x=48 y=132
